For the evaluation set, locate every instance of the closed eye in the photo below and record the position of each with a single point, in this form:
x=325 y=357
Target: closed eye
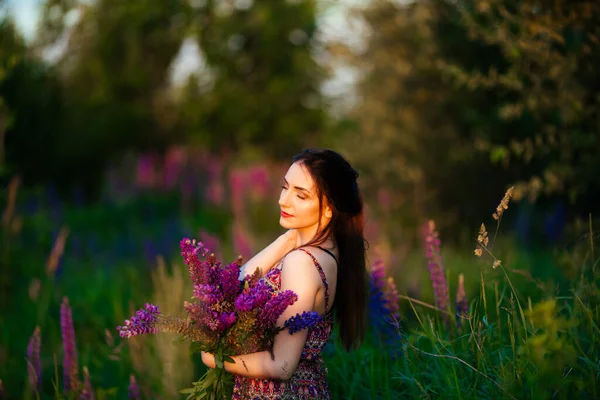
x=301 y=197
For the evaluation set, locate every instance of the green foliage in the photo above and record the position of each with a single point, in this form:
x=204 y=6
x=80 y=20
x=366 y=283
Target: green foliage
x=260 y=89
x=462 y=99
x=520 y=339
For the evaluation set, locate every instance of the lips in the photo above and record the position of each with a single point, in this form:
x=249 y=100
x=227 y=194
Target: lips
x=285 y=215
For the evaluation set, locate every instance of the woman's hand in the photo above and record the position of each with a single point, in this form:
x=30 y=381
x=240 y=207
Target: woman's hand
x=208 y=359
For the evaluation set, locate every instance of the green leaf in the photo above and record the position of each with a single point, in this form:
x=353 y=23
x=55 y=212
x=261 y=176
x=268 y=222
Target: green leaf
x=229 y=359
x=219 y=357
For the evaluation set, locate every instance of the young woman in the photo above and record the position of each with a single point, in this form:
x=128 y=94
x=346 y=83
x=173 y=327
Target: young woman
x=321 y=258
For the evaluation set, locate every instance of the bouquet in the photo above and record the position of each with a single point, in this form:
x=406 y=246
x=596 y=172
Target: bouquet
x=225 y=316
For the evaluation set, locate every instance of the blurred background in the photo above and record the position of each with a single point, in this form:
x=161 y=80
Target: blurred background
x=127 y=125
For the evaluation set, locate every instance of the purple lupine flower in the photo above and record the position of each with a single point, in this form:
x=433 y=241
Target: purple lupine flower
x=385 y=288
x=436 y=268
x=134 y=390
x=224 y=321
x=70 y=368
x=34 y=365
x=87 y=391
x=253 y=297
x=462 y=304
x=259 y=179
x=142 y=322
x=230 y=282
x=190 y=249
x=237 y=188
x=208 y=294
x=307 y=319
x=391 y=298
x=275 y=307
x=378 y=274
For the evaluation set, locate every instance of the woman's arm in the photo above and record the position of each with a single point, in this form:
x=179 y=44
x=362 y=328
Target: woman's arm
x=300 y=275
x=270 y=254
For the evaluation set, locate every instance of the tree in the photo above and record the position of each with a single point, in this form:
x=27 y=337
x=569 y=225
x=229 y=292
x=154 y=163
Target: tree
x=114 y=73
x=462 y=99
x=260 y=89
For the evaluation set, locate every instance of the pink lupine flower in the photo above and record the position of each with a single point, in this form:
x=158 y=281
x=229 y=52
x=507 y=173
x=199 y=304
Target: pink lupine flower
x=241 y=241
x=435 y=266
x=70 y=368
x=34 y=365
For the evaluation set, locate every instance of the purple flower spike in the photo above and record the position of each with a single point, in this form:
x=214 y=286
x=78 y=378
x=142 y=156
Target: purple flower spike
x=275 y=307
x=87 y=392
x=34 y=366
x=70 y=368
x=436 y=268
x=134 y=389
x=307 y=319
x=378 y=275
x=190 y=249
x=230 y=281
x=142 y=322
x=253 y=297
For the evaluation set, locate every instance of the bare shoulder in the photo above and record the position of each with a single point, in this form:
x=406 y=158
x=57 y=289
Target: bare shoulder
x=299 y=265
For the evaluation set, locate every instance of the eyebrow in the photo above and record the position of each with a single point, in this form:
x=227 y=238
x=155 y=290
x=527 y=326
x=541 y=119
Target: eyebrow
x=297 y=187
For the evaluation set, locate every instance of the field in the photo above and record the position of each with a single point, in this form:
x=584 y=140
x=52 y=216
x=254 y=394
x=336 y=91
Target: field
x=524 y=328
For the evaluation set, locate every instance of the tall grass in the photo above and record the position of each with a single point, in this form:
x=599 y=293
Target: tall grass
x=532 y=329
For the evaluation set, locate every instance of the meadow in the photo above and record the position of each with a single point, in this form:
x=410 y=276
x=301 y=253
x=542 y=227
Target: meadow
x=517 y=322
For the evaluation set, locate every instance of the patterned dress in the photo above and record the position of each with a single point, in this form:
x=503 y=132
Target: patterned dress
x=309 y=379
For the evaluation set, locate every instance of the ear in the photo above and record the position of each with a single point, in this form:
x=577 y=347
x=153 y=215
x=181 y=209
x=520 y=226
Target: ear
x=327 y=212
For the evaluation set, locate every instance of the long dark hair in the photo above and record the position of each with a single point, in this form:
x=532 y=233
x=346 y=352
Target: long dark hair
x=336 y=181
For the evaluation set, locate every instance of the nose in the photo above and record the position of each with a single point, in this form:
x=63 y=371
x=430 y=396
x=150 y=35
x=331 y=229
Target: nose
x=283 y=198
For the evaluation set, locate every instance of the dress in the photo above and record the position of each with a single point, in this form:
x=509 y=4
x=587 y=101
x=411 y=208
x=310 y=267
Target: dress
x=309 y=379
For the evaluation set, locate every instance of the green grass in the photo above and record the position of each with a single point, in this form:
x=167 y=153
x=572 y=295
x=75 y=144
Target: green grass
x=533 y=330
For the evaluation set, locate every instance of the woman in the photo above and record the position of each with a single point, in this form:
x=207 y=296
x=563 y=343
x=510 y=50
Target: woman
x=321 y=258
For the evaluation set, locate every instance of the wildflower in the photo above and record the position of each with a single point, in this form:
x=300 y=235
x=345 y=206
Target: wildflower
x=478 y=252
x=241 y=240
x=436 y=269
x=190 y=249
x=134 y=389
x=34 y=366
x=143 y=322
x=503 y=204
x=252 y=297
x=378 y=274
x=482 y=238
x=225 y=316
x=55 y=256
x=391 y=297
x=302 y=321
x=275 y=307
x=70 y=369
x=496 y=264
x=87 y=392
x=462 y=305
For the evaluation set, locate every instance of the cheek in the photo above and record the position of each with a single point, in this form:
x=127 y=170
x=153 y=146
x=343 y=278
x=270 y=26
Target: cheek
x=310 y=210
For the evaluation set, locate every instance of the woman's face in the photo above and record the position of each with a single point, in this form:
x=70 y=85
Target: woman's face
x=299 y=202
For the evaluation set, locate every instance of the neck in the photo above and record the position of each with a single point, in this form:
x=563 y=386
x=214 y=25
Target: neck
x=305 y=235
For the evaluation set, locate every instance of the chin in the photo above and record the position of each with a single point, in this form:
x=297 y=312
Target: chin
x=284 y=223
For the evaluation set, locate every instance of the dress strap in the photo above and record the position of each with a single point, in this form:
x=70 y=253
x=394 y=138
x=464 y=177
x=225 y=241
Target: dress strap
x=323 y=278
x=330 y=253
